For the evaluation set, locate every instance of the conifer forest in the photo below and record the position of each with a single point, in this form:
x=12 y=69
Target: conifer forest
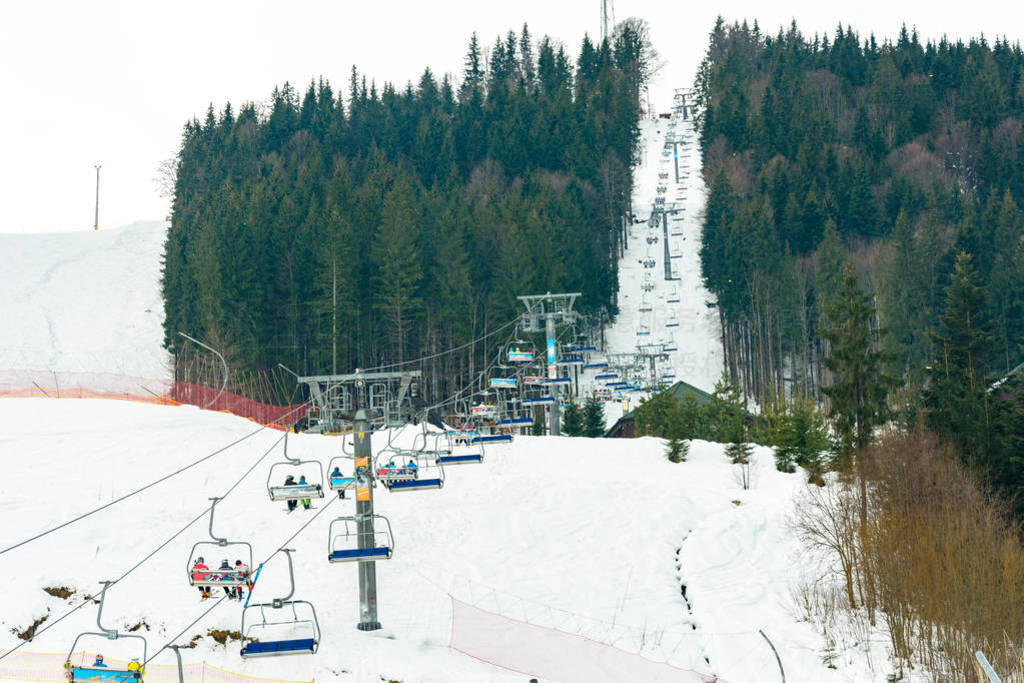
x=340 y=228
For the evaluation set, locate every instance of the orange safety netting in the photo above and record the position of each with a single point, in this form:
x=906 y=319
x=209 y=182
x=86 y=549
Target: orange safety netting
x=49 y=384
x=46 y=668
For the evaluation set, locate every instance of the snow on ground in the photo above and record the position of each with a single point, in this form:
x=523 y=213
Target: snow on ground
x=84 y=301
x=592 y=535
x=698 y=360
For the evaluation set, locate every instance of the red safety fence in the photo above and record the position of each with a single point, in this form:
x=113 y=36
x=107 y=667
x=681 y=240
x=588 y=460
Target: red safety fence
x=50 y=384
x=264 y=413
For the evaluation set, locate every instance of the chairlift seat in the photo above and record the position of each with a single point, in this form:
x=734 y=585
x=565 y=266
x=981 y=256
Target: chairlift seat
x=220 y=577
x=360 y=554
x=466 y=459
x=520 y=356
x=591 y=366
x=278 y=647
x=491 y=438
x=538 y=401
x=557 y=380
x=90 y=673
x=515 y=422
x=413 y=484
x=606 y=375
x=342 y=483
x=392 y=474
x=294 y=491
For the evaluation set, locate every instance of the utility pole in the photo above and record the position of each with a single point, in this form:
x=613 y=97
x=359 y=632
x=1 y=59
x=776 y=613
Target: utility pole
x=664 y=240
x=364 y=519
x=604 y=20
x=96 y=224
x=551 y=308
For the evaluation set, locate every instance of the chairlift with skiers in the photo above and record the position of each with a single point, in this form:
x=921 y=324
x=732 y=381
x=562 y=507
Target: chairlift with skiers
x=100 y=670
x=291 y=489
x=201 y=575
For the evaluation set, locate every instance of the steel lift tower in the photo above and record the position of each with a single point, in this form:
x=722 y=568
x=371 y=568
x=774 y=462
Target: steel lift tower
x=552 y=309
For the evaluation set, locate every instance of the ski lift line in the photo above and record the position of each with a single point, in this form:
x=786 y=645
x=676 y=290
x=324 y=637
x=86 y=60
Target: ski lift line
x=224 y=597
x=163 y=545
x=445 y=352
x=140 y=490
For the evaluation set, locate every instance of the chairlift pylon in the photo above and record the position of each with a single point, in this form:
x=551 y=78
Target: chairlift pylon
x=278 y=635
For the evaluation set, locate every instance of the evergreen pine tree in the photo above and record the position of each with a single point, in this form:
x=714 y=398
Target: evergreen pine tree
x=572 y=420
x=858 y=393
x=956 y=399
x=593 y=418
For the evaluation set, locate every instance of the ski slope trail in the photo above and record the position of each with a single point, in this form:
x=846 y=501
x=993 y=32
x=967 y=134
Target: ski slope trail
x=583 y=535
x=690 y=324
x=84 y=301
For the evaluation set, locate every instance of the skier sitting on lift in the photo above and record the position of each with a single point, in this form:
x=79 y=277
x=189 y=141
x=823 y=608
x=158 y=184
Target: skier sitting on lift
x=199 y=574
x=242 y=570
x=225 y=575
x=336 y=474
x=302 y=482
x=413 y=468
x=292 y=502
x=99 y=662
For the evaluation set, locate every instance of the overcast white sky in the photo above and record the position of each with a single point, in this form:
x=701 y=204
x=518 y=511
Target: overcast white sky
x=113 y=82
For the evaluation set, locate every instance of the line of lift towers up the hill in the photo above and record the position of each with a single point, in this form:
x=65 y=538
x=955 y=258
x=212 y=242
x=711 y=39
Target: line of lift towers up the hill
x=361 y=403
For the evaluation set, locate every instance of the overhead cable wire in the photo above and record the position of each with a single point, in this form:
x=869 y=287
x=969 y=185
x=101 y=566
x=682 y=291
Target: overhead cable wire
x=446 y=351
x=143 y=488
x=147 y=557
x=269 y=558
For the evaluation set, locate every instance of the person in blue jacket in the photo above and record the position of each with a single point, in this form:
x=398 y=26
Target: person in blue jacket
x=99 y=662
x=337 y=474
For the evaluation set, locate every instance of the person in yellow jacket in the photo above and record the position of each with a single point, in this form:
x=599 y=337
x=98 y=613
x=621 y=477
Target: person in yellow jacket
x=134 y=666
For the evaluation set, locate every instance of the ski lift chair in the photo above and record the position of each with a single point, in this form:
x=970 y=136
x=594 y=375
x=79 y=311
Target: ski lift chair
x=672 y=320
x=343 y=482
x=448 y=456
x=642 y=330
x=396 y=475
x=345 y=543
x=291 y=628
x=314 y=489
x=214 y=577
x=86 y=672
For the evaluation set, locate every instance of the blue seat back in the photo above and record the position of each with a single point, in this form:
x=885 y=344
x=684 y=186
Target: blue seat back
x=278 y=646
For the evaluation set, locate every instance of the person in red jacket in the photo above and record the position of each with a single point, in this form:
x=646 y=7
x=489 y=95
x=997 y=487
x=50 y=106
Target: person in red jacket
x=199 y=573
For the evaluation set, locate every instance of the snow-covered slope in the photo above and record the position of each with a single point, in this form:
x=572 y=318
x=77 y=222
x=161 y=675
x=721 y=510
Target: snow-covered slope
x=591 y=535
x=83 y=301
x=698 y=360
